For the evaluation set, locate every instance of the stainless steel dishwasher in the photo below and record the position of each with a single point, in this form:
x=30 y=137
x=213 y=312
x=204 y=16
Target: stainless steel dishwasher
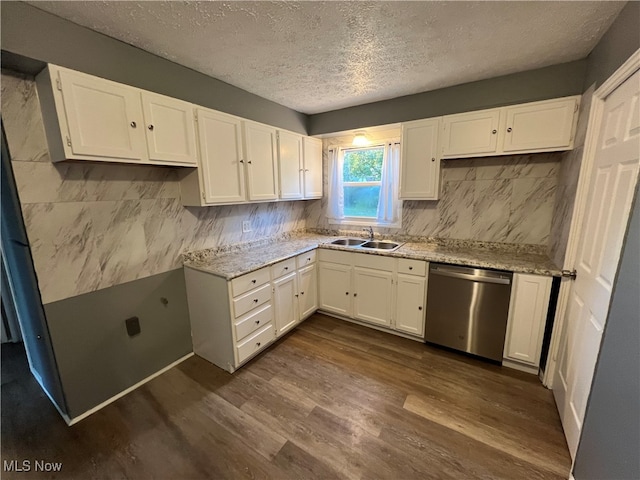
x=467 y=309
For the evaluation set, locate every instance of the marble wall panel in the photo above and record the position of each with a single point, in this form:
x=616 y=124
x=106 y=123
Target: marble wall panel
x=493 y=199
x=95 y=225
x=568 y=185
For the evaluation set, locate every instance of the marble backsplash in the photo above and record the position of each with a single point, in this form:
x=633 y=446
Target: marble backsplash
x=568 y=185
x=507 y=199
x=93 y=225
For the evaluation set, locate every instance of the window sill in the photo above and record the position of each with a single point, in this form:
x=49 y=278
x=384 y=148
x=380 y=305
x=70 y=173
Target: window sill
x=363 y=222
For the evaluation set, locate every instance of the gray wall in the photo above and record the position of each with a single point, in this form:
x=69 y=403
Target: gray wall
x=541 y=84
x=617 y=44
x=610 y=439
x=35 y=34
x=96 y=357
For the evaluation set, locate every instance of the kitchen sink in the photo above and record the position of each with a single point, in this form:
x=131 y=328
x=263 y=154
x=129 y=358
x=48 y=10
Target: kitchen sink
x=348 y=242
x=380 y=245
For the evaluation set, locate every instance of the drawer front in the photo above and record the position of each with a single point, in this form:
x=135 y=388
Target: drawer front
x=377 y=262
x=306 y=259
x=412 y=267
x=283 y=268
x=249 y=281
x=255 y=342
x=335 y=256
x=251 y=300
x=253 y=321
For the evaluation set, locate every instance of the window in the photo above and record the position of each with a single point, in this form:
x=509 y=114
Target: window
x=363 y=185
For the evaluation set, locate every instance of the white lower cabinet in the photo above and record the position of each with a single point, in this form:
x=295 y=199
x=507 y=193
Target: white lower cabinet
x=382 y=291
x=527 y=319
x=285 y=299
x=308 y=288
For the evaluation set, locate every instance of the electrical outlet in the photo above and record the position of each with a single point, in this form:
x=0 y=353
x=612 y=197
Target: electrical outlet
x=246 y=226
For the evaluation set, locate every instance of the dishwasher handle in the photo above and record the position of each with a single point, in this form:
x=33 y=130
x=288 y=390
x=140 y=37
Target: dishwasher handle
x=469 y=276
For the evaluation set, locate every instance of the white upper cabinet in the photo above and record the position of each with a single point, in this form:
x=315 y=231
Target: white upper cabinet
x=90 y=118
x=220 y=176
x=312 y=161
x=261 y=158
x=472 y=133
x=290 y=165
x=541 y=125
x=169 y=129
x=527 y=128
x=99 y=118
x=420 y=162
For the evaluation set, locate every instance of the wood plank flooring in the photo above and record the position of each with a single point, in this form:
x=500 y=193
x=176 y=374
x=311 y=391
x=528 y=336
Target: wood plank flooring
x=330 y=400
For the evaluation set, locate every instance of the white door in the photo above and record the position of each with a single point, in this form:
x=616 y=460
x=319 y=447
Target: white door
x=308 y=286
x=420 y=163
x=372 y=295
x=335 y=288
x=290 y=165
x=262 y=169
x=170 y=130
x=611 y=189
x=221 y=157
x=410 y=306
x=312 y=167
x=470 y=134
x=285 y=299
x=543 y=125
x=104 y=118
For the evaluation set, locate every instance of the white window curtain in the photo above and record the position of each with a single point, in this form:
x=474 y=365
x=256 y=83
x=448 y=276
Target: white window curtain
x=388 y=203
x=335 y=207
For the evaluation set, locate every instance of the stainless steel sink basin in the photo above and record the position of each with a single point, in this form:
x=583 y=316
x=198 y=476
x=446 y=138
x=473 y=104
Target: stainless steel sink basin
x=380 y=245
x=348 y=242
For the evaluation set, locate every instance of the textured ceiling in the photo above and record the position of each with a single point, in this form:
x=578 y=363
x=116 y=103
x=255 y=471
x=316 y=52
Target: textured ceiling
x=320 y=56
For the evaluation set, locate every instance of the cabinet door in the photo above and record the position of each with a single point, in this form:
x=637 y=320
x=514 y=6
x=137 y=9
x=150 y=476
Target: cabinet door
x=335 y=288
x=527 y=318
x=312 y=149
x=221 y=159
x=372 y=295
x=260 y=148
x=308 y=287
x=104 y=118
x=285 y=299
x=290 y=165
x=542 y=125
x=410 y=308
x=170 y=130
x=470 y=134
x=420 y=163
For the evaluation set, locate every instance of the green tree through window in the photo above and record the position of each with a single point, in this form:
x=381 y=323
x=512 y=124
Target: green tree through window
x=362 y=177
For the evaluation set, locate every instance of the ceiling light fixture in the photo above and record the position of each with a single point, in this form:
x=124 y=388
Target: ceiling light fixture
x=360 y=139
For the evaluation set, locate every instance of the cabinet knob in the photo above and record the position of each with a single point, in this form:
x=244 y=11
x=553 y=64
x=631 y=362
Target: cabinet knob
x=241 y=161
x=509 y=129
x=150 y=127
x=494 y=131
x=258 y=344
x=286 y=268
x=306 y=169
x=253 y=281
x=308 y=259
x=249 y=162
x=257 y=322
x=433 y=159
x=410 y=268
x=301 y=293
x=355 y=294
x=133 y=124
x=297 y=295
x=255 y=300
x=419 y=308
x=346 y=293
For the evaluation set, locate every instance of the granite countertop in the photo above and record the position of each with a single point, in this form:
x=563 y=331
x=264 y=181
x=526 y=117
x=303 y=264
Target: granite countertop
x=232 y=262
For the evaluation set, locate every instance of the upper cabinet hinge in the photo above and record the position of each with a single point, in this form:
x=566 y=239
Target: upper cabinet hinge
x=572 y=274
x=58 y=84
x=68 y=141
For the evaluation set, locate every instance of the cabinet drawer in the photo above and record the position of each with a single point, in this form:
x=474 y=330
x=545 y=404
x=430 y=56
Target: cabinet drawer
x=377 y=262
x=412 y=267
x=282 y=268
x=335 y=256
x=253 y=321
x=251 y=300
x=305 y=259
x=249 y=281
x=255 y=342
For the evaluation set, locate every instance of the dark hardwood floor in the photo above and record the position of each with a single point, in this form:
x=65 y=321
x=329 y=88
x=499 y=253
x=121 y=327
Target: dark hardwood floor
x=330 y=400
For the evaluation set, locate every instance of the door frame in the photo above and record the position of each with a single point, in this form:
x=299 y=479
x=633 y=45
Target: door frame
x=628 y=68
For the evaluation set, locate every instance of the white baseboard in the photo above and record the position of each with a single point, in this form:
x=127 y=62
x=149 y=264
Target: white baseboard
x=75 y=420
x=520 y=366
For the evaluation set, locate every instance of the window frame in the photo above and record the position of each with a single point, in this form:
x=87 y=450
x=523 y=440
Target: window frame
x=365 y=221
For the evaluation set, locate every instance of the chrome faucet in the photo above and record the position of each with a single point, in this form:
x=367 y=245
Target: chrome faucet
x=370 y=230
